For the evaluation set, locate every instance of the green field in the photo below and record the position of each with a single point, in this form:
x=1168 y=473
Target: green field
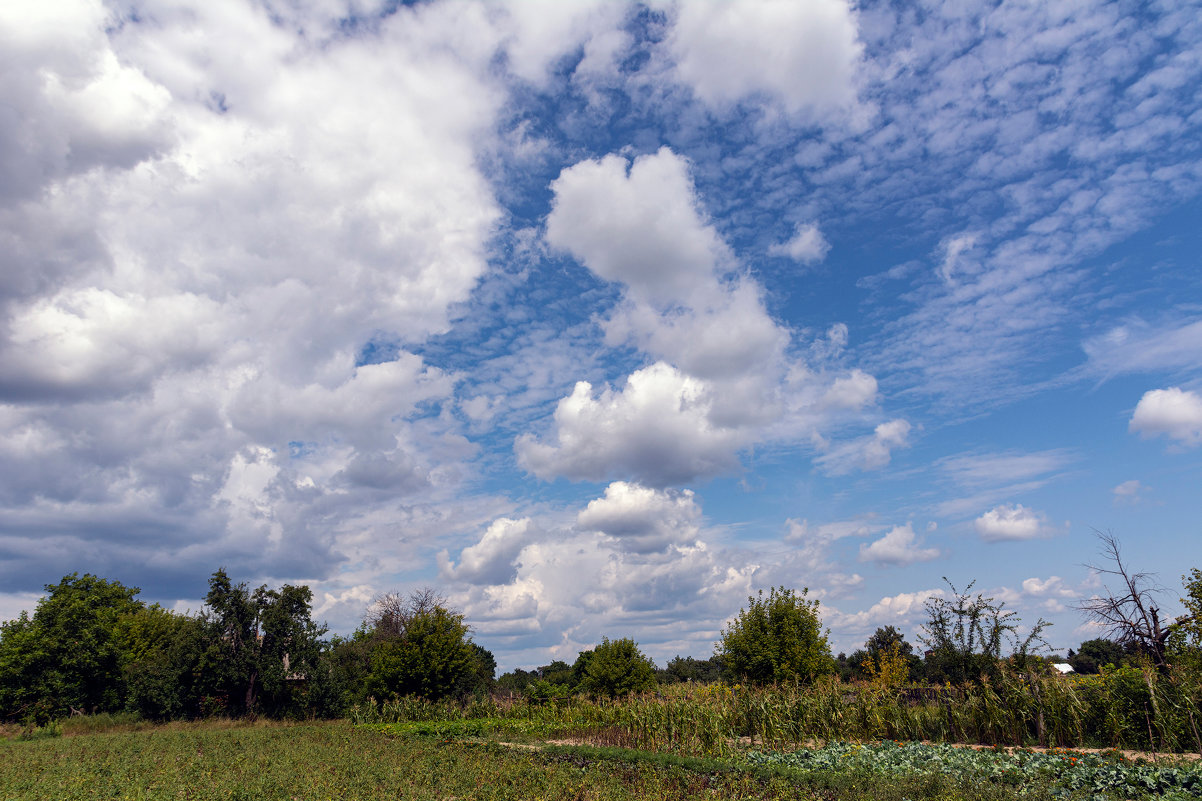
x=340 y=760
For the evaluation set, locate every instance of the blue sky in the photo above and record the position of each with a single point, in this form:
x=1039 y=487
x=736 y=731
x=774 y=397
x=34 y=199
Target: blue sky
x=598 y=316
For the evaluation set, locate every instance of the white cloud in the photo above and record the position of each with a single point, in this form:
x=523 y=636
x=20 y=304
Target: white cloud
x=866 y=453
x=198 y=234
x=993 y=477
x=1051 y=593
x=1138 y=347
x=986 y=469
x=657 y=429
x=538 y=32
x=900 y=546
x=976 y=117
x=491 y=560
x=726 y=339
x=722 y=378
x=807 y=246
x=74 y=104
x=905 y=610
x=1016 y=522
x=642 y=519
x=638 y=224
x=951 y=249
x=1128 y=492
x=802 y=55
x=1174 y=412
x=637 y=559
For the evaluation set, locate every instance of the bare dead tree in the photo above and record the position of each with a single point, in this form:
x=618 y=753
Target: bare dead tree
x=389 y=614
x=1130 y=615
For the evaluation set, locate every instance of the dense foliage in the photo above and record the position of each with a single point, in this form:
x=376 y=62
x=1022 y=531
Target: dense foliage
x=430 y=657
x=618 y=667
x=777 y=639
x=91 y=646
x=69 y=655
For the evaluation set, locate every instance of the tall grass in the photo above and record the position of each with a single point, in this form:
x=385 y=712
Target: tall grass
x=1122 y=708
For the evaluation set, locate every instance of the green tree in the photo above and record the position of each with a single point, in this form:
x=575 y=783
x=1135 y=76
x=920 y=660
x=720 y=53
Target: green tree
x=966 y=634
x=1093 y=655
x=163 y=668
x=485 y=676
x=580 y=667
x=883 y=641
x=1186 y=639
x=262 y=647
x=618 y=667
x=420 y=647
x=776 y=639
x=68 y=654
x=681 y=669
x=516 y=681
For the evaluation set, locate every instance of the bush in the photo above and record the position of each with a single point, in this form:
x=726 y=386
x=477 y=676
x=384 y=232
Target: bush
x=777 y=639
x=618 y=667
x=966 y=635
x=431 y=658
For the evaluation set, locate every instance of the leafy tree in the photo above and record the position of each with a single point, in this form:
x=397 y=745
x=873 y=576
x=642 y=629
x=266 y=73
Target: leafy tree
x=885 y=638
x=420 y=648
x=347 y=662
x=262 y=646
x=23 y=654
x=68 y=654
x=1187 y=634
x=682 y=669
x=516 y=681
x=778 y=638
x=580 y=667
x=618 y=667
x=163 y=668
x=966 y=635
x=887 y=667
x=883 y=641
x=558 y=672
x=1093 y=655
x=486 y=669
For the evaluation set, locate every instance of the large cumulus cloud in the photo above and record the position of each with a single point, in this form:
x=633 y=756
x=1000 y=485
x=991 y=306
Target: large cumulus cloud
x=724 y=374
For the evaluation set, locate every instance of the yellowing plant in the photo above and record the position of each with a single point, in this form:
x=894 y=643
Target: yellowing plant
x=889 y=669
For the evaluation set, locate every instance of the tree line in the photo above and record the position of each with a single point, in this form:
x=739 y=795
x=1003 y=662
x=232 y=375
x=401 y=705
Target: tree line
x=91 y=646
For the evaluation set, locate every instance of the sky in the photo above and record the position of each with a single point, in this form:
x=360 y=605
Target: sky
x=599 y=317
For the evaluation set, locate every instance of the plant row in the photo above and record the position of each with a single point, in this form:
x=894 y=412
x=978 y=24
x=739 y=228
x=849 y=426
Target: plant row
x=1121 y=708
x=1070 y=772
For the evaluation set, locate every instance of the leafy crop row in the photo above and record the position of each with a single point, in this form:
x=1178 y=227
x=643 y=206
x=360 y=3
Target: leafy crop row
x=1067 y=772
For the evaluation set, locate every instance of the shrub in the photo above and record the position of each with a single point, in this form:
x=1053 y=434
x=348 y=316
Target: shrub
x=618 y=667
x=778 y=638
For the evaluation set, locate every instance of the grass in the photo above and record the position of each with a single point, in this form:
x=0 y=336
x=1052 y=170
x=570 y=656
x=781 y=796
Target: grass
x=681 y=742
x=339 y=760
